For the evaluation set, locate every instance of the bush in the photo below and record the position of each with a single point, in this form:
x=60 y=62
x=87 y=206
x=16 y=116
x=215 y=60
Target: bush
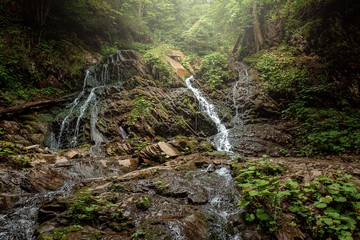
x=327 y=208
x=327 y=130
x=215 y=69
x=280 y=70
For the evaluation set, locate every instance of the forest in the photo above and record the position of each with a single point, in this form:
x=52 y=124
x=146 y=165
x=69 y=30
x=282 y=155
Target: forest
x=260 y=95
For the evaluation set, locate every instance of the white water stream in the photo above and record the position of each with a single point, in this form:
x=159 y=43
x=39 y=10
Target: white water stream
x=90 y=103
x=221 y=207
x=21 y=220
x=241 y=88
x=221 y=139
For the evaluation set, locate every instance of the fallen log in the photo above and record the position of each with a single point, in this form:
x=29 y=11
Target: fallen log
x=6 y=112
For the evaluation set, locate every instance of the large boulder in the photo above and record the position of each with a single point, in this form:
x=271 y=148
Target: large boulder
x=158 y=152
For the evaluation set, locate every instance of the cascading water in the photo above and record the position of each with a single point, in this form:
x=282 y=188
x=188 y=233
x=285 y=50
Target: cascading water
x=221 y=206
x=241 y=88
x=97 y=77
x=221 y=139
x=20 y=222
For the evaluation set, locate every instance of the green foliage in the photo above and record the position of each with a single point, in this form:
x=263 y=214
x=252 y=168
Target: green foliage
x=108 y=50
x=280 y=70
x=143 y=203
x=138 y=234
x=140 y=144
x=84 y=209
x=258 y=179
x=141 y=106
x=215 y=71
x=326 y=207
x=156 y=58
x=159 y=185
x=325 y=131
x=11 y=155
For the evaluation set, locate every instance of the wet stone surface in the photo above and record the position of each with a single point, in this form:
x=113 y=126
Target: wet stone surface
x=180 y=202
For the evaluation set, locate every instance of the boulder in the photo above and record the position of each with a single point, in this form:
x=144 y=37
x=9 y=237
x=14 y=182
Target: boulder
x=119 y=148
x=43 y=177
x=72 y=154
x=158 y=152
x=128 y=162
x=32 y=148
x=168 y=150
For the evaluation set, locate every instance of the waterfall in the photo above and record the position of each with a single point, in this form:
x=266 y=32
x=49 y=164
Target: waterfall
x=72 y=106
x=221 y=139
x=97 y=77
x=241 y=88
x=21 y=221
x=123 y=134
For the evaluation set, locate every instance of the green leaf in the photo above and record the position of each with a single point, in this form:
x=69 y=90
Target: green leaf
x=332 y=214
x=320 y=205
x=249 y=217
x=334 y=188
x=243 y=203
x=328 y=221
x=262 y=215
x=327 y=199
x=294 y=209
x=253 y=193
x=245 y=185
x=340 y=199
x=356 y=205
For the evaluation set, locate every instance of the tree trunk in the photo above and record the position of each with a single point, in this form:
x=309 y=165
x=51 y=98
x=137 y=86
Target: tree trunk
x=237 y=44
x=141 y=8
x=41 y=8
x=258 y=37
x=6 y=112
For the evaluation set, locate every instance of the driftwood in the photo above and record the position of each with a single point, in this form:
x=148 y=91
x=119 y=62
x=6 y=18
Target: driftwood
x=6 y=112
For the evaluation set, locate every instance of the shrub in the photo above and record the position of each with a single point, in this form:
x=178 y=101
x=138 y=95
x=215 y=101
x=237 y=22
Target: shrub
x=327 y=208
x=214 y=67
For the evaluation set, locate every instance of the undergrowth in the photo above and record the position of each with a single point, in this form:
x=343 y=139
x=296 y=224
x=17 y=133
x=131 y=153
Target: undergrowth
x=325 y=208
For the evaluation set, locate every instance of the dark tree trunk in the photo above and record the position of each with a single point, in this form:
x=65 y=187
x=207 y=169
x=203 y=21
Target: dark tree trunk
x=258 y=37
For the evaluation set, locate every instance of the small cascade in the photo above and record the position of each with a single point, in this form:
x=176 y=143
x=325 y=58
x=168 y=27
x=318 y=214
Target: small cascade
x=221 y=140
x=123 y=134
x=83 y=108
x=65 y=122
x=96 y=77
x=241 y=88
x=221 y=206
x=20 y=222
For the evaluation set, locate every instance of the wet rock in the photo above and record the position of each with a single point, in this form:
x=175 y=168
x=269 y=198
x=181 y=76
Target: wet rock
x=48 y=212
x=128 y=162
x=119 y=148
x=91 y=59
x=198 y=197
x=168 y=150
x=32 y=147
x=289 y=232
x=43 y=177
x=72 y=154
x=61 y=160
x=44 y=228
x=180 y=71
x=193 y=227
x=6 y=200
x=101 y=188
x=10 y=127
x=158 y=152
